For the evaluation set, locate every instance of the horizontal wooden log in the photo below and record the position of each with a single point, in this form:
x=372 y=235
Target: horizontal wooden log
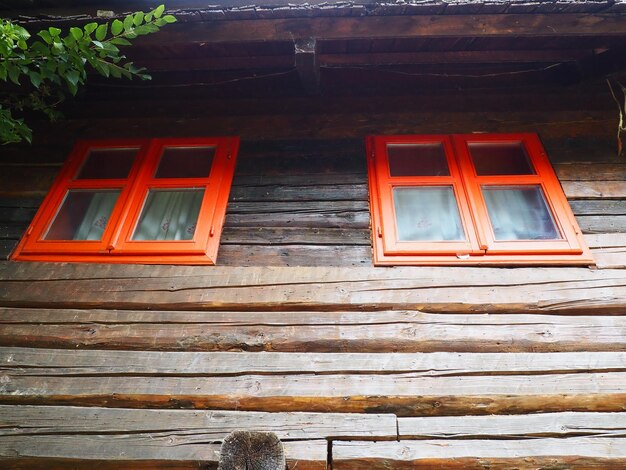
x=515 y=426
x=432 y=289
x=294 y=236
x=295 y=255
x=572 y=453
x=293 y=190
x=183 y=451
x=406 y=394
x=353 y=219
x=37 y=362
x=392 y=27
x=598 y=207
x=602 y=223
x=195 y=426
x=594 y=189
x=591 y=171
x=309 y=331
x=6 y=248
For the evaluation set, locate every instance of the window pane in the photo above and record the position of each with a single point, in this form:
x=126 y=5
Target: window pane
x=427 y=213
x=519 y=213
x=185 y=162
x=417 y=160
x=83 y=215
x=169 y=214
x=500 y=158
x=107 y=164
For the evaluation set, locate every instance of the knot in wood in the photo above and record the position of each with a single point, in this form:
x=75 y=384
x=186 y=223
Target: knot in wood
x=246 y=450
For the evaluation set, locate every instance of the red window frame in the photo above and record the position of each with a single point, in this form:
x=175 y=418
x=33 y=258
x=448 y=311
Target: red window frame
x=481 y=246
x=116 y=244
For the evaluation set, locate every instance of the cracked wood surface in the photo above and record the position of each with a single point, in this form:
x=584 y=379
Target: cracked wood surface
x=309 y=331
x=407 y=394
x=448 y=289
x=571 y=453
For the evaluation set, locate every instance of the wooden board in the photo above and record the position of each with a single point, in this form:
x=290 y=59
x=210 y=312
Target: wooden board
x=34 y=362
x=515 y=426
x=159 y=449
x=196 y=426
x=572 y=453
x=406 y=394
x=384 y=331
x=391 y=27
x=433 y=289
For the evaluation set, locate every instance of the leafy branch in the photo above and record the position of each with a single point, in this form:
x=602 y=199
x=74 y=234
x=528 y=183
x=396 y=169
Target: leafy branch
x=55 y=64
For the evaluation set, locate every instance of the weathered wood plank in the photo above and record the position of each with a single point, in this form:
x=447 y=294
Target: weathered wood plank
x=309 y=331
x=406 y=394
x=512 y=426
x=602 y=223
x=606 y=207
x=295 y=255
x=571 y=453
x=193 y=425
x=332 y=218
x=493 y=290
x=591 y=171
x=160 y=449
x=62 y=362
x=594 y=189
x=294 y=236
x=392 y=27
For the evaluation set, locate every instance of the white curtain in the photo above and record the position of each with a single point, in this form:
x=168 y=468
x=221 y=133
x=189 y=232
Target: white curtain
x=169 y=215
x=519 y=214
x=97 y=216
x=427 y=213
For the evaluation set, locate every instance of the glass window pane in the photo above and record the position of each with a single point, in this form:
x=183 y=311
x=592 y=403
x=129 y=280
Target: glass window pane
x=427 y=159
x=83 y=215
x=169 y=214
x=185 y=162
x=519 y=213
x=500 y=158
x=107 y=164
x=427 y=213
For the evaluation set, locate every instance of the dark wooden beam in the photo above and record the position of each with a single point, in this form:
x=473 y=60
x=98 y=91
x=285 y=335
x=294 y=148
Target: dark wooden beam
x=387 y=27
x=163 y=64
x=306 y=61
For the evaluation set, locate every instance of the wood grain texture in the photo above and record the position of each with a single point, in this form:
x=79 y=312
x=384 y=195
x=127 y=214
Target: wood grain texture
x=448 y=289
x=406 y=394
x=392 y=27
x=310 y=455
x=194 y=425
x=384 y=331
x=34 y=362
x=515 y=426
x=571 y=453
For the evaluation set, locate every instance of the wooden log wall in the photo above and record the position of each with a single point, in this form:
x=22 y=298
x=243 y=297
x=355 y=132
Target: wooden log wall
x=117 y=367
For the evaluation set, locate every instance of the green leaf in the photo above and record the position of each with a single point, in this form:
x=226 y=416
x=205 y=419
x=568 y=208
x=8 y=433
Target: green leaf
x=3 y=72
x=115 y=72
x=117 y=27
x=35 y=79
x=138 y=18
x=128 y=23
x=54 y=32
x=158 y=11
x=45 y=35
x=22 y=44
x=169 y=19
x=101 y=31
x=76 y=33
x=102 y=68
x=14 y=75
x=120 y=42
x=90 y=28
x=148 y=17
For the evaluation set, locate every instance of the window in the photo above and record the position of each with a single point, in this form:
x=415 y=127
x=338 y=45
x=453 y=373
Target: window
x=469 y=199
x=136 y=201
